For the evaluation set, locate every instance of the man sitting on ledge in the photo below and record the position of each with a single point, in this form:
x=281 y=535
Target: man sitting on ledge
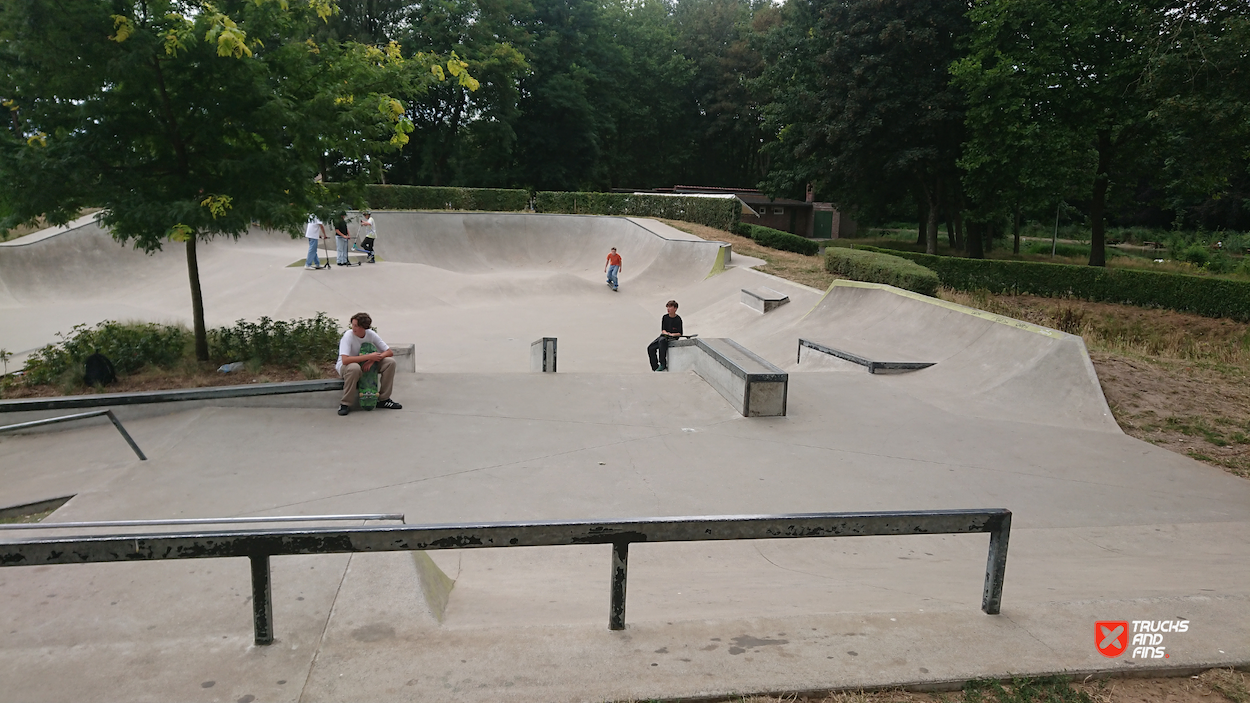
x=352 y=363
x=670 y=329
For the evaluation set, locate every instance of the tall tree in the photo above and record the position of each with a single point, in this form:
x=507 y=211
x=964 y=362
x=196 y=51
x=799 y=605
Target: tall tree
x=189 y=120
x=1071 y=73
x=863 y=103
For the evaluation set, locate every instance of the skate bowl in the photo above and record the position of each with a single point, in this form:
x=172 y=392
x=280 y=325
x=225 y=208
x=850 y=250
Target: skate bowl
x=1105 y=527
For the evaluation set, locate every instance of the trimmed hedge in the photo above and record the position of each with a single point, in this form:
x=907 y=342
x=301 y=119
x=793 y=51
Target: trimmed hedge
x=776 y=239
x=721 y=213
x=878 y=267
x=390 y=197
x=1212 y=297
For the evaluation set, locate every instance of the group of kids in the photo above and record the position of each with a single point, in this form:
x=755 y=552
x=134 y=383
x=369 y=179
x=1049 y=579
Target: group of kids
x=352 y=363
x=318 y=230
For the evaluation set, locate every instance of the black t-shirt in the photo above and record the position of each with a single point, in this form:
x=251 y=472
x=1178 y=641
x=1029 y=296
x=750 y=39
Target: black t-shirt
x=671 y=324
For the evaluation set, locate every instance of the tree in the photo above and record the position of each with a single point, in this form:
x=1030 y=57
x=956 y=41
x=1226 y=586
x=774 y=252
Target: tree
x=186 y=120
x=863 y=104
x=1068 y=75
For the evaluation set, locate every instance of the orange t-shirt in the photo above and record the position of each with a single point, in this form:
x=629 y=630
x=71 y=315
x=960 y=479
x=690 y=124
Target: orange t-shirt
x=614 y=259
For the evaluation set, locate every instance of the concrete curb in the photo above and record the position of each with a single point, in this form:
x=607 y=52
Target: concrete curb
x=170 y=396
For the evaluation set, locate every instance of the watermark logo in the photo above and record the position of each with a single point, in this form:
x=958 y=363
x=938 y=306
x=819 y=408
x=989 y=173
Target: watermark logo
x=1145 y=637
x=1111 y=637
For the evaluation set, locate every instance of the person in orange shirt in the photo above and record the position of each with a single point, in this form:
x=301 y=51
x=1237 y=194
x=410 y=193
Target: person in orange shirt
x=613 y=267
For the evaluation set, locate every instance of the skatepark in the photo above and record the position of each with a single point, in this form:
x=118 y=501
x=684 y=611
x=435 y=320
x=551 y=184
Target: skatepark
x=1008 y=415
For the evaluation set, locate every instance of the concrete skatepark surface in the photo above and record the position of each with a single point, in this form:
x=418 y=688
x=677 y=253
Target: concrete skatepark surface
x=1105 y=527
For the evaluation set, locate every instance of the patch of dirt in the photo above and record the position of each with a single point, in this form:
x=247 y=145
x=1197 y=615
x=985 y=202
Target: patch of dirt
x=201 y=376
x=1213 y=686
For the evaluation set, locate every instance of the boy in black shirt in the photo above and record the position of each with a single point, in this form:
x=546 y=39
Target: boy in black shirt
x=670 y=329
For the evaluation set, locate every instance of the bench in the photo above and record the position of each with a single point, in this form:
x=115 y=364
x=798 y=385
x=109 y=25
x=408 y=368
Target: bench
x=752 y=385
x=872 y=366
x=764 y=299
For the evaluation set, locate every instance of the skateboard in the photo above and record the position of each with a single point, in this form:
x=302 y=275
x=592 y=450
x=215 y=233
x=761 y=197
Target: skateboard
x=367 y=386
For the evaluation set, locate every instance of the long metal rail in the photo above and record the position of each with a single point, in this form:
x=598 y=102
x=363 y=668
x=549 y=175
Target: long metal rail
x=202 y=521
x=80 y=416
x=259 y=546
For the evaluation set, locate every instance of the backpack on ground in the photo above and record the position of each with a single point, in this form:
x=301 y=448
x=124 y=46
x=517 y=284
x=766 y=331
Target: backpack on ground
x=99 y=370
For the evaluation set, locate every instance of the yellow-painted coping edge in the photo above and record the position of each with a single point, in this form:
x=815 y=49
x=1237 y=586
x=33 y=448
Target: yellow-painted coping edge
x=718 y=266
x=1000 y=319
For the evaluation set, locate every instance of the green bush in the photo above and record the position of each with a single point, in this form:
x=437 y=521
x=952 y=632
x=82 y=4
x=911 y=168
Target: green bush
x=721 y=213
x=281 y=343
x=876 y=267
x=1213 y=297
x=130 y=346
x=776 y=239
x=1044 y=248
x=1195 y=254
x=388 y=197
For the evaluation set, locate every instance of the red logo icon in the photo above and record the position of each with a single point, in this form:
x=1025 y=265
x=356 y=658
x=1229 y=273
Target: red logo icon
x=1111 y=637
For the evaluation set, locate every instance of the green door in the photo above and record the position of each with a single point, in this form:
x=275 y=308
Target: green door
x=823 y=224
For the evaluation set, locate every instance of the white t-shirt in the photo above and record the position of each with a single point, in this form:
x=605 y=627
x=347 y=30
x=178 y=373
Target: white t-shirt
x=349 y=345
x=367 y=228
x=313 y=230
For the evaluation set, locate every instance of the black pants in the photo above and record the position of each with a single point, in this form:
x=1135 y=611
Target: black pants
x=367 y=245
x=660 y=347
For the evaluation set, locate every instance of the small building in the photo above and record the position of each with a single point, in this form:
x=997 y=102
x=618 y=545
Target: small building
x=805 y=218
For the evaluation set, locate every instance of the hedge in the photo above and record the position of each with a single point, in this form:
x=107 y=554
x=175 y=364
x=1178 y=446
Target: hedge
x=721 y=213
x=388 y=197
x=776 y=239
x=877 y=267
x=1212 y=297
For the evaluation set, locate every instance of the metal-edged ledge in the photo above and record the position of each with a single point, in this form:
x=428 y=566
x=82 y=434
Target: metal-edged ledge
x=72 y=402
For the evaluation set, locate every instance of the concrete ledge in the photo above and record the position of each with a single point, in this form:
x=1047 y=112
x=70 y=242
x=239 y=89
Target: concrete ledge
x=405 y=358
x=71 y=402
x=755 y=387
x=807 y=346
x=764 y=300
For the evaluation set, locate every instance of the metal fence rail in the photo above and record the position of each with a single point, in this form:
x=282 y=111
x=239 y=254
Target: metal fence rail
x=258 y=546
x=203 y=521
x=80 y=416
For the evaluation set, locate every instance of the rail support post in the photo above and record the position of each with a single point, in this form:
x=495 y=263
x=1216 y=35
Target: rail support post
x=262 y=599
x=996 y=566
x=125 y=435
x=620 y=567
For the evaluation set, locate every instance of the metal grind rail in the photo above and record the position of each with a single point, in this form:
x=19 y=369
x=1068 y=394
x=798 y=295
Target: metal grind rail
x=258 y=546
x=80 y=416
x=399 y=517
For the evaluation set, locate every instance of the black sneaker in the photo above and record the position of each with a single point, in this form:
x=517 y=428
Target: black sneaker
x=389 y=404
x=343 y=409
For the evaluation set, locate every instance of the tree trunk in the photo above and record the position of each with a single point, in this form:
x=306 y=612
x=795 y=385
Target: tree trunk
x=923 y=219
x=961 y=238
x=1015 y=230
x=930 y=225
x=1098 y=203
x=197 y=302
x=989 y=237
x=974 y=237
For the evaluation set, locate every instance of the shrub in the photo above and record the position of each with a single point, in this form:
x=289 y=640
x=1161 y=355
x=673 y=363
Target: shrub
x=389 y=197
x=1195 y=254
x=1213 y=297
x=130 y=346
x=721 y=213
x=291 y=343
x=776 y=239
x=876 y=267
x=1044 y=248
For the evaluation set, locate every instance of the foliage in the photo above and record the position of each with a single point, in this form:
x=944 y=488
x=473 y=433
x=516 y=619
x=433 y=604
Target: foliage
x=862 y=103
x=1212 y=297
x=130 y=346
x=185 y=119
x=721 y=213
x=1046 y=689
x=442 y=198
x=777 y=239
x=876 y=267
x=291 y=343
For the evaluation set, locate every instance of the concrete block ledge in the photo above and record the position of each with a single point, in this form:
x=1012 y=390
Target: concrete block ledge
x=764 y=299
x=71 y=402
x=755 y=387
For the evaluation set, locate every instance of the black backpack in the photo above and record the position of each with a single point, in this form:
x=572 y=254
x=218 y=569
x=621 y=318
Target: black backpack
x=99 y=370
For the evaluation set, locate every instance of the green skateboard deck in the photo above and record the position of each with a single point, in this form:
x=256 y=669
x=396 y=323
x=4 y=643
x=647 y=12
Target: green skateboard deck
x=368 y=384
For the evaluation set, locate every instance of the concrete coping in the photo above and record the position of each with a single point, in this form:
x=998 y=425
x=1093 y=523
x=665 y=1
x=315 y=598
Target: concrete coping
x=872 y=366
x=767 y=294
